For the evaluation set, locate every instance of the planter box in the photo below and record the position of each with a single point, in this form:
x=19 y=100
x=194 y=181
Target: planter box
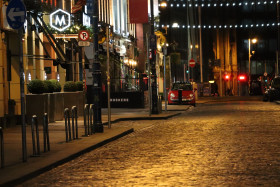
x=81 y=103
x=36 y=104
x=51 y=107
x=58 y=106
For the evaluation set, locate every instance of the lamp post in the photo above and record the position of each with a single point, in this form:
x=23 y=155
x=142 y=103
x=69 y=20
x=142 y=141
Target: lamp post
x=254 y=40
x=153 y=62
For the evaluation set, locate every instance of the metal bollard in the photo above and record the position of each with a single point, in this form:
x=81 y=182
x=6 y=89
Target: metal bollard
x=66 y=116
x=86 y=116
x=37 y=136
x=2 y=147
x=46 y=133
x=33 y=123
x=91 y=121
x=75 y=122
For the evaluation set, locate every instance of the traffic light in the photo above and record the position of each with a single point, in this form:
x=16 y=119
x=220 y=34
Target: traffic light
x=242 y=78
x=227 y=77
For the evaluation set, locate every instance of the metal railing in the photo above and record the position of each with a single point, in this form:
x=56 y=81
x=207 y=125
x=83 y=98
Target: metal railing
x=91 y=120
x=86 y=120
x=74 y=112
x=67 y=124
x=74 y=115
x=2 y=146
x=46 y=133
x=35 y=139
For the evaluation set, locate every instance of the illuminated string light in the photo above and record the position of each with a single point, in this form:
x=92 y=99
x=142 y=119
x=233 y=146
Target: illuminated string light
x=233 y=4
x=264 y=25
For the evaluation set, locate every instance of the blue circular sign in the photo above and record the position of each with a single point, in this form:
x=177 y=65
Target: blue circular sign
x=16 y=14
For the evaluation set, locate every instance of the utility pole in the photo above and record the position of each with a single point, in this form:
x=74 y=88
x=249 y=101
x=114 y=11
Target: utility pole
x=278 y=43
x=94 y=92
x=153 y=48
x=200 y=47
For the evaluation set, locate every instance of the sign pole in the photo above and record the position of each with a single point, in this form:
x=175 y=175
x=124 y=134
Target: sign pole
x=23 y=126
x=16 y=16
x=108 y=78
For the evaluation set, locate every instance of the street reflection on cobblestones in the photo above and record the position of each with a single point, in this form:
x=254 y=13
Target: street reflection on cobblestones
x=224 y=144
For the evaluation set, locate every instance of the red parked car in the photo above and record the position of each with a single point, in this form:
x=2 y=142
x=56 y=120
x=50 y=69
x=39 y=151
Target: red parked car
x=181 y=93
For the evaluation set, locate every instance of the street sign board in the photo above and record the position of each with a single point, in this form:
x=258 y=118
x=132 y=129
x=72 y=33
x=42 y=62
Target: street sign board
x=83 y=35
x=84 y=43
x=192 y=63
x=265 y=74
x=16 y=14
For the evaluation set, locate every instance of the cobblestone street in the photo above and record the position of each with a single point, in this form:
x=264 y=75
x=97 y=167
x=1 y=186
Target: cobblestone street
x=214 y=144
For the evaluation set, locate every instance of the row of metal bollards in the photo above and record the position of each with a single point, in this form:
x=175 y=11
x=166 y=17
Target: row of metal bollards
x=88 y=119
x=74 y=116
x=2 y=147
x=36 y=139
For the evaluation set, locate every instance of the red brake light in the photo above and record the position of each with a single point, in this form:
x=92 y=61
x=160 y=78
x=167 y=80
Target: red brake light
x=242 y=78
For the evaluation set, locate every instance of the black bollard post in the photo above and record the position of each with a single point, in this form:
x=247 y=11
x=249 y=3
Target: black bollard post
x=37 y=136
x=69 y=126
x=91 y=114
x=74 y=122
x=66 y=113
x=2 y=146
x=34 y=121
x=46 y=133
x=85 y=119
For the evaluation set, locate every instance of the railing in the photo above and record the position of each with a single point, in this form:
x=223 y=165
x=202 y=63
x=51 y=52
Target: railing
x=2 y=147
x=35 y=139
x=74 y=112
x=67 y=124
x=74 y=116
x=86 y=120
x=46 y=133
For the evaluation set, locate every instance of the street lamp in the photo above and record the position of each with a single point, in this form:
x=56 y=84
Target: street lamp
x=254 y=40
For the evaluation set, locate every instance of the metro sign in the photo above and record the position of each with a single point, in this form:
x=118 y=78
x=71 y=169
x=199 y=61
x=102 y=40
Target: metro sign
x=60 y=20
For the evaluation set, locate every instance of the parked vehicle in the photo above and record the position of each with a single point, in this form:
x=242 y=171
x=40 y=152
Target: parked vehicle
x=181 y=93
x=256 y=88
x=273 y=92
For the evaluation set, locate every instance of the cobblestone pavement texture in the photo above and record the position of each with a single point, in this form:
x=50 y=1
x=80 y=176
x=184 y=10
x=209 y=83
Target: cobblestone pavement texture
x=214 y=144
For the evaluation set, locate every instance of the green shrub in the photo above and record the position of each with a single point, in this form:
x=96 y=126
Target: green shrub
x=70 y=86
x=57 y=86
x=49 y=86
x=36 y=86
x=79 y=86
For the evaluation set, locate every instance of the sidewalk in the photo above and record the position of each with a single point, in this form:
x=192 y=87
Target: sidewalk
x=15 y=171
